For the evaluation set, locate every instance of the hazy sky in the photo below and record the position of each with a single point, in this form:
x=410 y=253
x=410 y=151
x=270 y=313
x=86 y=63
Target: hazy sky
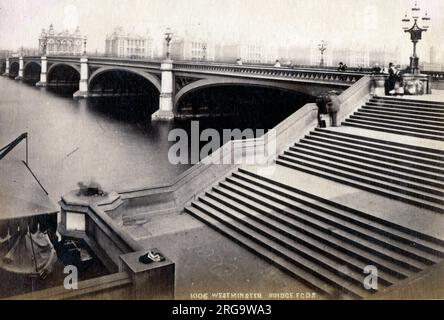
x=343 y=23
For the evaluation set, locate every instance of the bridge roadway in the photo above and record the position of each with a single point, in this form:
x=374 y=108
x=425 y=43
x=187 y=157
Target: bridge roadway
x=175 y=79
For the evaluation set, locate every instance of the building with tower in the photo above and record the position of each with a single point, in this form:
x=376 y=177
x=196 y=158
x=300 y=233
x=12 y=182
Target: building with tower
x=61 y=43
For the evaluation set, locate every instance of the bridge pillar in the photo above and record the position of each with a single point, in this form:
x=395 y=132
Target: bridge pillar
x=83 y=83
x=7 y=68
x=165 y=111
x=20 y=74
x=43 y=81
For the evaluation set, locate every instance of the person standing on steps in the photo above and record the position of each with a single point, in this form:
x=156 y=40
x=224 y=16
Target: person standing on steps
x=391 y=80
x=321 y=102
x=333 y=107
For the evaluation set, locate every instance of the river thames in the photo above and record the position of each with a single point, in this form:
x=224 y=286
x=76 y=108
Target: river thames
x=75 y=140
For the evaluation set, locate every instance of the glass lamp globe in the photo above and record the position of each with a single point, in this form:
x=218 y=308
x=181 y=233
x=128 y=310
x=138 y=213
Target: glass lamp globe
x=426 y=21
x=415 y=11
x=405 y=22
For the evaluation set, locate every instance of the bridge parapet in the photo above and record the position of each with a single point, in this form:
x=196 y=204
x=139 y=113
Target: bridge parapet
x=106 y=61
x=314 y=75
x=436 y=75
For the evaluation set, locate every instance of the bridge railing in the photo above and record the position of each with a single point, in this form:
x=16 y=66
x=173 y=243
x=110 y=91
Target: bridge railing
x=436 y=75
x=150 y=63
x=316 y=75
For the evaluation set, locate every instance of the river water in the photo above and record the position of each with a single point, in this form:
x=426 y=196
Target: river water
x=112 y=142
x=72 y=141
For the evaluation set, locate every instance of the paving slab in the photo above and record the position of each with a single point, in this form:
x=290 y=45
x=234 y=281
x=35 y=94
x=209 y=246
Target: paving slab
x=211 y=265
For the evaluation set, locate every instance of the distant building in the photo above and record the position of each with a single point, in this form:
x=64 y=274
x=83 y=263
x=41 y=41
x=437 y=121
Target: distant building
x=431 y=66
x=61 y=43
x=128 y=45
x=432 y=58
x=192 y=49
x=384 y=57
x=298 y=55
x=5 y=53
x=248 y=53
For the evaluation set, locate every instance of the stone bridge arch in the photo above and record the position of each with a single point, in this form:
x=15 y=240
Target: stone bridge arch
x=28 y=63
x=151 y=78
x=311 y=89
x=58 y=64
x=14 y=68
x=32 y=69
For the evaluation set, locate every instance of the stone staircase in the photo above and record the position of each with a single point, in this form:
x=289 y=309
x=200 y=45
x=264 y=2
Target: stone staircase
x=324 y=243
x=398 y=171
x=417 y=118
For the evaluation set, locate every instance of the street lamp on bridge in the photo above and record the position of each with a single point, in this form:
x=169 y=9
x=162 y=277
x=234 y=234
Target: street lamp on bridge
x=322 y=47
x=168 y=38
x=45 y=44
x=204 y=51
x=84 y=45
x=415 y=33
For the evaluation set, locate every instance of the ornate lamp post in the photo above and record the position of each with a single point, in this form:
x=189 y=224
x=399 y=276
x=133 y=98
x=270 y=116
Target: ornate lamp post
x=415 y=34
x=45 y=44
x=322 y=47
x=204 y=51
x=84 y=45
x=168 y=38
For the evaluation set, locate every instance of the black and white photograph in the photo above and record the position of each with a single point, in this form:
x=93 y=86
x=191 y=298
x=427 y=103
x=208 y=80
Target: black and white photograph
x=237 y=151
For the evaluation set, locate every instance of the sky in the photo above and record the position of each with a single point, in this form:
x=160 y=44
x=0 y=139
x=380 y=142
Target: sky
x=372 y=24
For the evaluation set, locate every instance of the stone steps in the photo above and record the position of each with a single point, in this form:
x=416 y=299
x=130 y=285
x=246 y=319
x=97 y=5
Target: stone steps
x=323 y=243
x=408 y=101
x=399 y=117
x=398 y=121
x=318 y=241
x=386 y=143
x=389 y=190
x=275 y=255
x=400 y=130
x=369 y=167
x=423 y=166
x=388 y=112
x=423 y=119
x=367 y=175
x=406 y=107
x=430 y=132
x=402 y=110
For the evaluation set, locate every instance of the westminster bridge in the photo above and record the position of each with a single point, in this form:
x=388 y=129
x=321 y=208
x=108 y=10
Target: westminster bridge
x=170 y=81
